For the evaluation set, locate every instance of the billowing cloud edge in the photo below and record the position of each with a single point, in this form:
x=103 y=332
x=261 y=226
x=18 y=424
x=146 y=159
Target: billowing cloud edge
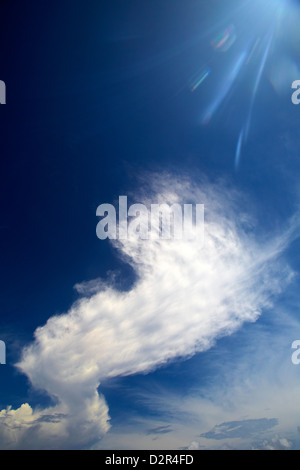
x=186 y=296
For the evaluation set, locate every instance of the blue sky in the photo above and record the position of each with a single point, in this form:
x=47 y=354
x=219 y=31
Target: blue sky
x=124 y=345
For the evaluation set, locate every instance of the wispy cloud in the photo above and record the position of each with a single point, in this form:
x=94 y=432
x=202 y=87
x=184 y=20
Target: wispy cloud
x=185 y=298
x=240 y=429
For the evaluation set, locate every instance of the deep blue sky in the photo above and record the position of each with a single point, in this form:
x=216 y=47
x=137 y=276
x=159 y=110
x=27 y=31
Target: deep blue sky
x=98 y=92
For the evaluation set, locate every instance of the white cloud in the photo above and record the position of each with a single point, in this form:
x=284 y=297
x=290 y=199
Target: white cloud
x=185 y=297
x=276 y=443
x=251 y=380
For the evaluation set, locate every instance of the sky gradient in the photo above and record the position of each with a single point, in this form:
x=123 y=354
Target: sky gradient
x=149 y=344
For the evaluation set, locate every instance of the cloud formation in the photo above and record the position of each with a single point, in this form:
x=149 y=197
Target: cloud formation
x=186 y=296
x=240 y=429
x=276 y=443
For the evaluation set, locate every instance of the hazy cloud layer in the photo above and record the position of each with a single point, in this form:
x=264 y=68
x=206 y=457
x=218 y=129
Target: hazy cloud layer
x=240 y=429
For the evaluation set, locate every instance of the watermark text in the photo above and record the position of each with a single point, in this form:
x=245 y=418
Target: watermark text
x=160 y=221
x=2 y=353
x=296 y=93
x=2 y=92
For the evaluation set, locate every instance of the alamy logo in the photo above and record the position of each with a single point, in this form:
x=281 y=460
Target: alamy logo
x=296 y=94
x=296 y=354
x=2 y=353
x=161 y=221
x=2 y=92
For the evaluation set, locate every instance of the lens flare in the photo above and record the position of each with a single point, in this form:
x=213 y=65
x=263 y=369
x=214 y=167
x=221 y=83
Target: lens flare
x=260 y=46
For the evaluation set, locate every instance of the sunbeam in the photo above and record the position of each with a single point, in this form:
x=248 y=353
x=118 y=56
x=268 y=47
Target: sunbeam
x=258 y=37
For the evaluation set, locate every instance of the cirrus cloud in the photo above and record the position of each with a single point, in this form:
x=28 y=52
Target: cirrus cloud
x=185 y=297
